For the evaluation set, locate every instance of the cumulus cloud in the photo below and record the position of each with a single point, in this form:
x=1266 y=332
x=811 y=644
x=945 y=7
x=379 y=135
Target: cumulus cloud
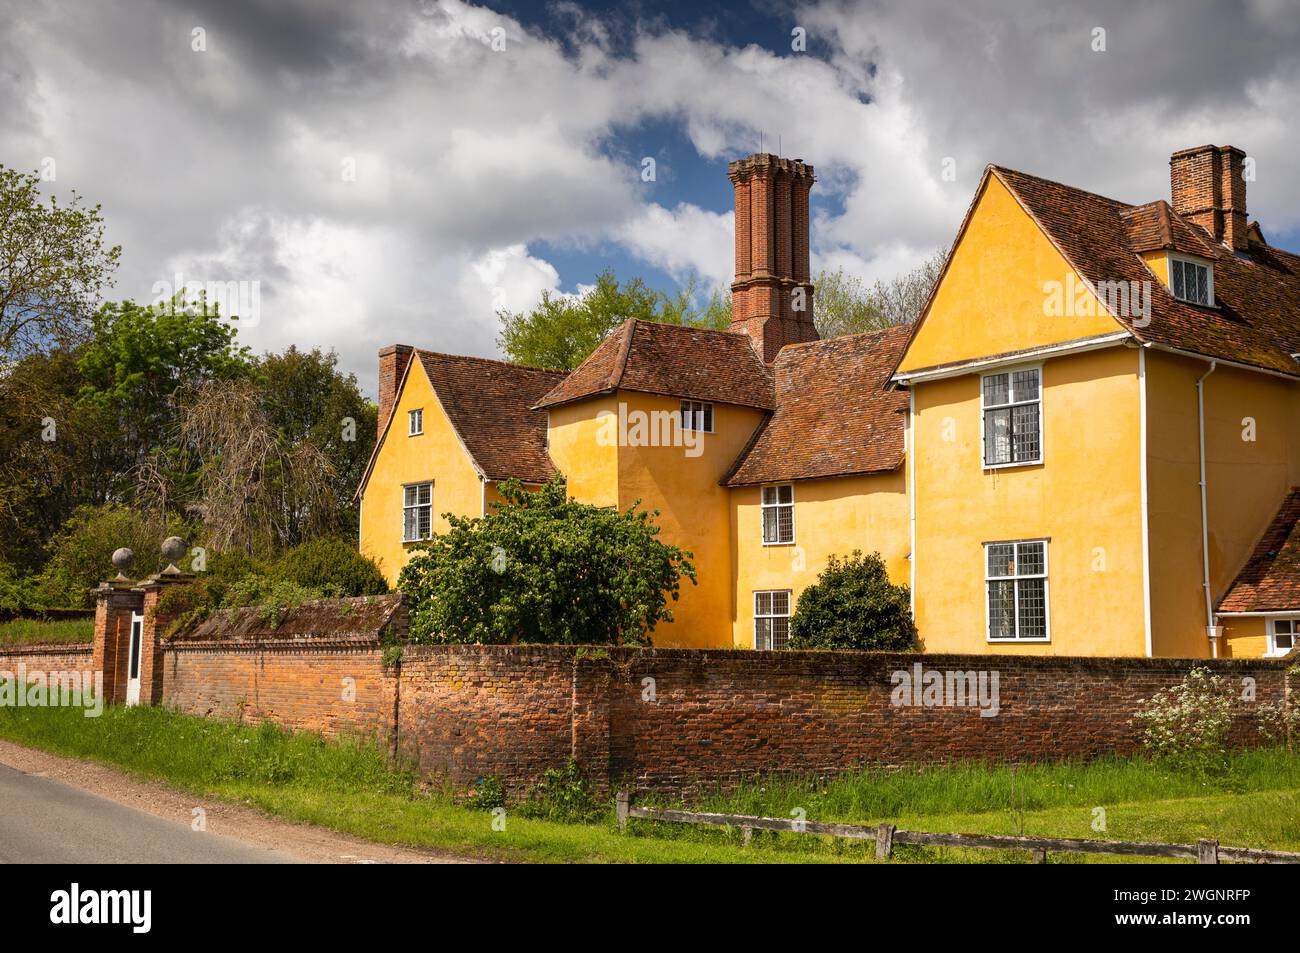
x=387 y=170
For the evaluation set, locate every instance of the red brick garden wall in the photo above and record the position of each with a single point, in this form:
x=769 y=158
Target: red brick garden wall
x=76 y=657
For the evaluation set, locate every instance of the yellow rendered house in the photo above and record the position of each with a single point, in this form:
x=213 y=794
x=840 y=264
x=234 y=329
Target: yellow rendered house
x=1088 y=444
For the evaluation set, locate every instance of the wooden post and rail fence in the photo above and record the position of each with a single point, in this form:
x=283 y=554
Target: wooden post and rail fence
x=887 y=837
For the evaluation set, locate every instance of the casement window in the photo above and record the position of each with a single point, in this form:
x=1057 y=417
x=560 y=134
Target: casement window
x=778 y=514
x=1012 y=403
x=1282 y=635
x=772 y=619
x=417 y=512
x=697 y=415
x=415 y=422
x=1191 y=281
x=1015 y=580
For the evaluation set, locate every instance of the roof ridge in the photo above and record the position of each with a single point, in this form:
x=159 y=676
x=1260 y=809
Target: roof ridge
x=489 y=360
x=1071 y=188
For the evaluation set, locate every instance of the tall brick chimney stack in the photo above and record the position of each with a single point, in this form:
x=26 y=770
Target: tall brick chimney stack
x=1208 y=186
x=772 y=296
x=392 y=364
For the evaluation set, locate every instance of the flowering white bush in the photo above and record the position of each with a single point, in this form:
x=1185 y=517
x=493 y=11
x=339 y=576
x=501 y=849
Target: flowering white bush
x=1188 y=723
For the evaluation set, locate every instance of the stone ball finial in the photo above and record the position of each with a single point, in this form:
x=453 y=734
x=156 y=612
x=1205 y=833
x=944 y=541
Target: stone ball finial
x=122 y=560
x=173 y=548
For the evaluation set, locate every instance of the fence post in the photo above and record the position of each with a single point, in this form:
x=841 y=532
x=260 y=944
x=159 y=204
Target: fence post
x=622 y=801
x=1040 y=856
x=1207 y=852
x=885 y=841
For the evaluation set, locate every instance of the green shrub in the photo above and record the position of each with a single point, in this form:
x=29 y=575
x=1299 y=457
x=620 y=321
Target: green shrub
x=562 y=794
x=333 y=566
x=17 y=593
x=1187 y=724
x=853 y=605
x=543 y=568
x=81 y=552
x=487 y=794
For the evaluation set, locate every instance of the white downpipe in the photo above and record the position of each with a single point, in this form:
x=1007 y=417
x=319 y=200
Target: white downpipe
x=911 y=493
x=1211 y=630
x=1146 y=503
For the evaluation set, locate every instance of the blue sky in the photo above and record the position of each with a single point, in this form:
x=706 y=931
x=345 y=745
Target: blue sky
x=398 y=170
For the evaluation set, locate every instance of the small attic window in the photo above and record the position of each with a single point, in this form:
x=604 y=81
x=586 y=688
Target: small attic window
x=1191 y=281
x=415 y=422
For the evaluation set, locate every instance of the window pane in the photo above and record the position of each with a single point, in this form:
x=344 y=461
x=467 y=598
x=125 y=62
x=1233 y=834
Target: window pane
x=996 y=390
x=780 y=633
x=1002 y=610
x=762 y=634
x=785 y=524
x=780 y=603
x=1202 y=285
x=997 y=436
x=1025 y=385
x=1178 y=280
x=708 y=418
x=1001 y=559
x=409 y=525
x=1282 y=626
x=426 y=521
x=1032 y=595
x=1024 y=432
x=785 y=494
x=769 y=525
x=769 y=494
x=408 y=497
x=762 y=603
x=425 y=493
x=1031 y=559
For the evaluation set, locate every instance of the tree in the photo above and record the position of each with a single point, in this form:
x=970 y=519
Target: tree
x=853 y=605
x=845 y=305
x=543 y=568
x=136 y=359
x=333 y=566
x=53 y=265
x=562 y=330
x=308 y=400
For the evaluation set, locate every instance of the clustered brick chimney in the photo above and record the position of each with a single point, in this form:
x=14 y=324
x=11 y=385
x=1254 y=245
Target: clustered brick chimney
x=392 y=363
x=772 y=296
x=1209 y=188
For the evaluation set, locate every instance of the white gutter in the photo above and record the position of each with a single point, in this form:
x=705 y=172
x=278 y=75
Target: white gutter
x=1018 y=357
x=1211 y=630
x=1146 y=512
x=911 y=495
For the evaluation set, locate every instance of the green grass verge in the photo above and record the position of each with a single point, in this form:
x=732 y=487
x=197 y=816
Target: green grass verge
x=34 y=631
x=346 y=785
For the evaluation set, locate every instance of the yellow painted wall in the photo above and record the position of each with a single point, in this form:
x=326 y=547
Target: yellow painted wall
x=1246 y=483
x=1158 y=262
x=436 y=455
x=831 y=518
x=1085 y=497
x=991 y=300
x=695 y=513
x=1245 y=637
x=575 y=447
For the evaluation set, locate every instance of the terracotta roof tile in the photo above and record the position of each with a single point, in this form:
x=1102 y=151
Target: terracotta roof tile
x=1257 y=293
x=489 y=403
x=670 y=359
x=1270 y=581
x=833 y=415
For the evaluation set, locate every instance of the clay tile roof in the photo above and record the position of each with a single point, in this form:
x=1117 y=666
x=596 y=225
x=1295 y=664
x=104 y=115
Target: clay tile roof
x=1270 y=581
x=1256 y=320
x=833 y=415
x=673 y=360
x=490 y=405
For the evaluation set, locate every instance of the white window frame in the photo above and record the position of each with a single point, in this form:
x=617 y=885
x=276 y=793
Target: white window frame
x=1010 y=373
x=415 y=422
x=1273 y=650
x=1047 y=593
x=700 y=411
x=417 y=506
x=1209 y=280
x=764 y=506
x=789 y=612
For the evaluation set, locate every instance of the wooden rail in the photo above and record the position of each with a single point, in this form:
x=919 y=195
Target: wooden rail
x=887 y=836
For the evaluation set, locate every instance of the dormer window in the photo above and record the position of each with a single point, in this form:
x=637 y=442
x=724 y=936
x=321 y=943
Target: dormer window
x=1191 y=281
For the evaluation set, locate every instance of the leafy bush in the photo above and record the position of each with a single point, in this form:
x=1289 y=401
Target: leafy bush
x=562 y=794
x=333 y=566
x=543 y=568
x=487 y=794
x=1187 y=724
x=81 y=553
x=853 y=605
x=17 y=593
